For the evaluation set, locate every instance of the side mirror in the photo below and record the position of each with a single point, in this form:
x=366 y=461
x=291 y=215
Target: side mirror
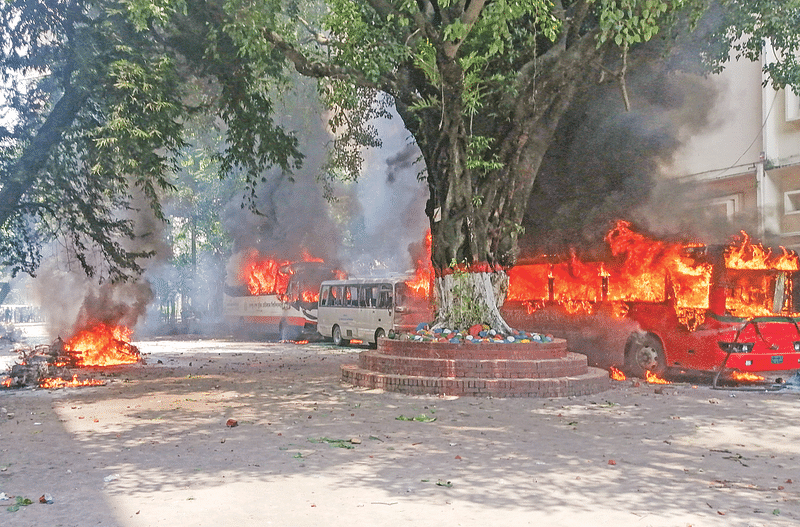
x=401 y=309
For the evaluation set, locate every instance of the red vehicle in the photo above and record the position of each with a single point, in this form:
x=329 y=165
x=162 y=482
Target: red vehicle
x=672 y=307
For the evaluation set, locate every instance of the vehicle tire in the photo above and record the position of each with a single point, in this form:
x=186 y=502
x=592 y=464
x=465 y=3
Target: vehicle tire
x=337 y=337
x=644 y=352
x=379 y=334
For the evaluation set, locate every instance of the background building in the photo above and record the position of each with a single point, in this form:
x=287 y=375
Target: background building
x=743 y=169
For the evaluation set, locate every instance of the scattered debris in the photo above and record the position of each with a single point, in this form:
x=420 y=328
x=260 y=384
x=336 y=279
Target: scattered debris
x=47 y=366
x=46 y=498
x=230 y=423
x=111 y=477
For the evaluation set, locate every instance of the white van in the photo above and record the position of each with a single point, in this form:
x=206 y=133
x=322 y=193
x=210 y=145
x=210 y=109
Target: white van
x=366 y=309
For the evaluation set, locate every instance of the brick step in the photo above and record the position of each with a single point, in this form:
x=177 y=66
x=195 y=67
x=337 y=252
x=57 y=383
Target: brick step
x=571 y=364
x=595 y=380
x=480 y=351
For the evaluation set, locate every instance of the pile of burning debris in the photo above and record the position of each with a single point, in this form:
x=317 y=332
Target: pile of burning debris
x=49 y=366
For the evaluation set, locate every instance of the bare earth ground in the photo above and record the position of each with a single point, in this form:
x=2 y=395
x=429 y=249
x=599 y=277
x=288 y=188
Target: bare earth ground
x=152 y=448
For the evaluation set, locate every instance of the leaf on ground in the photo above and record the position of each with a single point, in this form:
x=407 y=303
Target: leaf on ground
x=422 y=418
x=20 y=502
x=338 y=443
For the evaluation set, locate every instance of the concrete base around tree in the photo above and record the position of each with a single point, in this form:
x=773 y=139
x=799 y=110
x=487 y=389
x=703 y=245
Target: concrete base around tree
x=498 y=370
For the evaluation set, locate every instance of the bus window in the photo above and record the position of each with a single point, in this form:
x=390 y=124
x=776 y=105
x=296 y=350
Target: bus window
x=367 y=296
x=352 y=295
x=385 y=297
x=324 y=295
x=337 y=292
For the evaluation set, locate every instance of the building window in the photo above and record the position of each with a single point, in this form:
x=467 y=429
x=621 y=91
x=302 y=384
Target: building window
x=725 y=206
x=791 y=202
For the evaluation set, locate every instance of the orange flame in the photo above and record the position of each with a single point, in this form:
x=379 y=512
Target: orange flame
x=616 y=374
x=264 y=276
x=652 y=378
x=748 y=255
x=420 y=284
x=308 y=258
x=54 y=383
x=743 y=376
x=102 y=345
x=6 y=383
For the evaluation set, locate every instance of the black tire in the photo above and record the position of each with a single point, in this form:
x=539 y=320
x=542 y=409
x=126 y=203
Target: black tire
x=337 y=337
x=379 y=334
x=644 y=352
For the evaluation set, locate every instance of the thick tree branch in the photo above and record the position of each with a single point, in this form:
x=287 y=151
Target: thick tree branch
x=24 y=173
x=319 y=70
x=468 y=19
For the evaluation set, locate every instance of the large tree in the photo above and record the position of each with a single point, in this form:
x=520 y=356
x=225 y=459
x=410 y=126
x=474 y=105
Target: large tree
x=480 y=85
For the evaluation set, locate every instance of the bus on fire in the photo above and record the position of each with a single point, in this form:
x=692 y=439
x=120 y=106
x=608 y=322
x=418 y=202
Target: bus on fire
x=286 y=306
x=662 y=307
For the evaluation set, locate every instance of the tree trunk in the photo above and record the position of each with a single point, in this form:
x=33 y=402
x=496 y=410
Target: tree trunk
x=475 y=215
x=465 y=299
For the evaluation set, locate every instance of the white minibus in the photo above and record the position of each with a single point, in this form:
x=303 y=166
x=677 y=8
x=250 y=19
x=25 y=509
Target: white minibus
x=366 y=309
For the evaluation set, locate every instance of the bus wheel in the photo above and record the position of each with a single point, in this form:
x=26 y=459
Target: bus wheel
x=379 y=334
x=644 y=353
x=337 y=337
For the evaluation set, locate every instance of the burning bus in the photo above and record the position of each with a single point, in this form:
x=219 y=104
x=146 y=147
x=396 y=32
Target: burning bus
x=274 y=296
x=661 y=307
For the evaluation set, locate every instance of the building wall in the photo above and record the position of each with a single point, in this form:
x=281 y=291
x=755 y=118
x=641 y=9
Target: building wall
x=731 y=141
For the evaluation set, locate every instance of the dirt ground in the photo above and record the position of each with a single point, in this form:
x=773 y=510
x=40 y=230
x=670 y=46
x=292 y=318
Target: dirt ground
x=152 y=448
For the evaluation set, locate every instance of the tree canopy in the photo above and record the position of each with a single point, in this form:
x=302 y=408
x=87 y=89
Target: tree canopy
x=102 y=88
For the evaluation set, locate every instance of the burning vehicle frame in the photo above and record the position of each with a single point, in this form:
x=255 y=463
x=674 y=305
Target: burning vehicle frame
x=657 y=307
x=274 y=296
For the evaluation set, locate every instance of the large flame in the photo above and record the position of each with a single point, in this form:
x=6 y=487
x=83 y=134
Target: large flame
x=747 y=255
x=420 y=284
x=102 y=345
x=642 y=269
x=264 y=275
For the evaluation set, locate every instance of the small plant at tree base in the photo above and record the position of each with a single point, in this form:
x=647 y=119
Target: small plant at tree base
x=466 y=309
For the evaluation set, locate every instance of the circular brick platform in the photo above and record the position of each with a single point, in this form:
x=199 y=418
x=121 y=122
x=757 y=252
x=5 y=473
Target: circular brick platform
x=500 y=370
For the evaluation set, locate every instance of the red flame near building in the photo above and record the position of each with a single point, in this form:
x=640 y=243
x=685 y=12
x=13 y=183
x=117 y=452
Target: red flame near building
x=102 y=345
x=748 y=255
